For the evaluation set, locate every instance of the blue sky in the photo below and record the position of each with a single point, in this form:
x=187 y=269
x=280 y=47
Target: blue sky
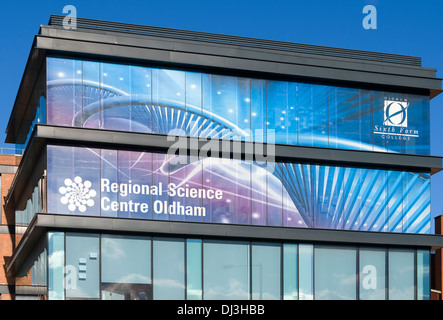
x=403 y=27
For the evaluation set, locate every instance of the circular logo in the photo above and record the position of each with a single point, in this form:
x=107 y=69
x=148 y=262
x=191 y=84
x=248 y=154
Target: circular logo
x=77 y=194
x=395 y=114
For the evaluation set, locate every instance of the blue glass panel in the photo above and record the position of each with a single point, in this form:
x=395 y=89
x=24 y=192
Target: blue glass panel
x=328 y=204
x=259 y=112
x=82 y=266
x=126 y=268
x=266 y=271
x=306 y=271
x=401 y=275
x=416 y=206
x=194 y=100
x=290 y=271
x=194 y=275
x=335 y=273
x=56 y=263
x=169 y=269
x=109 y=176
x=372 y=264
x=226 y=268
x=423 y=275
x=93 y=92
x=395 y=201
x=64 y=90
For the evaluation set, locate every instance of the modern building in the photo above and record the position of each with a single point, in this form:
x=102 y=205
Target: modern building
x=171 y=164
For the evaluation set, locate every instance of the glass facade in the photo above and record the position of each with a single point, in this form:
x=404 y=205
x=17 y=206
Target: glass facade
x=145 y=185
x=137 y=98
x=150 y=185
x=127 y=267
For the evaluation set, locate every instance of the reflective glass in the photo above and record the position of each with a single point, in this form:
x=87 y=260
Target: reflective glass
x=169 y=269
x=56 y=263
x=194 y=274
x=372 y=264
x=226 y=272
x=395 y=201
x=82 y=280
x=266 y=271
x=335 y=275
x=126 y=268
x=423 y=275
x=142 y=99
x=306 y=271
x=290 y=271
x=401 y=275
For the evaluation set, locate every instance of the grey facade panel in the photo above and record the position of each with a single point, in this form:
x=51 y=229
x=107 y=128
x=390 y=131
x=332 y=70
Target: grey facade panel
x=43 y=223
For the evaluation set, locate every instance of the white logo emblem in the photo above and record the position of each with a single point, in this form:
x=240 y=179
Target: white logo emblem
x=77 y=194
x=396 y=113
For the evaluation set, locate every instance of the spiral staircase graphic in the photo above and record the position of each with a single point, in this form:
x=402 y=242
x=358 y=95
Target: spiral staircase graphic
x=325 y=196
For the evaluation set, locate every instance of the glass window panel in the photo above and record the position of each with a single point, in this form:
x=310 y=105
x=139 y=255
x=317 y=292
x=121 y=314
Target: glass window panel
x=185 y=208
x=328 y=196
x=160 y=178
x=169 y=269
x=366 y=121
x=126 y=268
x=134 y=175
x=56 y=264
x=193 y=104
x=277 y=108
x=266 y=271
x=416 y=136
x=64 y=91
x=401 y=275
x=259 y=187
x=86 y=178
x=350 y=128
x=82 y=280
x=274 y=200
x=194 y=274
x=73 y=180
x=60 y=167
x=168 y=99
x=296 y=180
x=335 y=273
x=116 y=82
x=226 y=268
x=417 y=202
x=94 y=90
x=372 y=264
x=140 y=115
x=423 y=275
x=306 y=271
x=258 y=111
x=380 y=136
x=395 y=201
x=109 y=174
x=319 y=116
x=290 y=271
x=352 y=206
x=305 y=114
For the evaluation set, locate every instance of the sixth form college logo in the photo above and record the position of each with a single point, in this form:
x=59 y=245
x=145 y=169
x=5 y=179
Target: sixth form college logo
x=77 y=194
x=396 y=113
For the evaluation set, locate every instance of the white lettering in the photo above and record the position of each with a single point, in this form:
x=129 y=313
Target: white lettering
x=370 y=21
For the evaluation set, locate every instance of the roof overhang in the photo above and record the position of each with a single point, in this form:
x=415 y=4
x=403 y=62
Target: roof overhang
x=199 y=51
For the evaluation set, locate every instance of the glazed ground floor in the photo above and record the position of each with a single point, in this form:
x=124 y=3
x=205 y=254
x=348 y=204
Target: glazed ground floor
x=83 y=265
